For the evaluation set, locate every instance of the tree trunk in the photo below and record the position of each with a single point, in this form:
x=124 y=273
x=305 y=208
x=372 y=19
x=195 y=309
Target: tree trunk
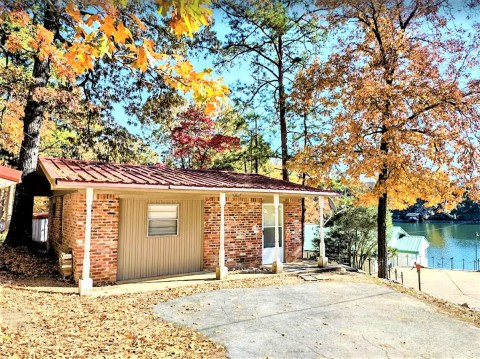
x=256 y=146
x=304 y=177
x=20 y=231
x=282 y=110
x=382 y=236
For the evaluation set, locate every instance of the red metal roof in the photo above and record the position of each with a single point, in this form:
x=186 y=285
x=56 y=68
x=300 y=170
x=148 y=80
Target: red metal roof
x=10 y=174
x=67 y=171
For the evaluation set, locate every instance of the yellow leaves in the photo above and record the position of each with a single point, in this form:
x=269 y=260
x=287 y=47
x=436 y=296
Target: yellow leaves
x=102 y=33
x=14 y=43
x=122 y=33
x=11 y=126
x=186 y=15
x=80 y=56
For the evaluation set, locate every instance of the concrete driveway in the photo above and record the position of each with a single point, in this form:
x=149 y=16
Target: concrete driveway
x=323 y=319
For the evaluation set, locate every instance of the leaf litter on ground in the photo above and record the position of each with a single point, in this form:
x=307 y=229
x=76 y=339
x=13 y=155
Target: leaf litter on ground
x=36 y=324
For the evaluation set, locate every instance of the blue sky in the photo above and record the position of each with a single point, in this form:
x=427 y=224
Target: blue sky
x=241 y=72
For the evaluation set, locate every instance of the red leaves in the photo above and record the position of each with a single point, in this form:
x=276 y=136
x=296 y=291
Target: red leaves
x=195 y=141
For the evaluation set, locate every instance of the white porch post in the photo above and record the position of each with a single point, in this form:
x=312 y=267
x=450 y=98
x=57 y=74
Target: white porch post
x=322 y=260
x=8 y=214
x=86 y=283
x=277 y=266
x=222 y=270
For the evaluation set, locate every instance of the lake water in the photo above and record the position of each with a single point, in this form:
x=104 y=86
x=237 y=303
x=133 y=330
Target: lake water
x=448 y=240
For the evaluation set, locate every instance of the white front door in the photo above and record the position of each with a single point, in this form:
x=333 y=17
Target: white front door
x=268 y=223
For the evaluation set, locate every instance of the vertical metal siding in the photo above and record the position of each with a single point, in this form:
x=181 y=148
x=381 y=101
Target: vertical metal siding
x=39 y=229
x=140 y=256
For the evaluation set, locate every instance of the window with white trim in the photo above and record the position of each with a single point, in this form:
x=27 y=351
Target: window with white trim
x=162 y=220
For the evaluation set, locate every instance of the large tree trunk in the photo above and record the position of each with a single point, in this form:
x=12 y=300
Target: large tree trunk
x=20 y=231
x=282 y=107
x=304 y=177
x=382 y=213
x=382 y=236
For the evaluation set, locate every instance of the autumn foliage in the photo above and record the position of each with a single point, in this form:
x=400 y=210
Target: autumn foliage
x=400 y=107
x=195 y=141
x=63 y=52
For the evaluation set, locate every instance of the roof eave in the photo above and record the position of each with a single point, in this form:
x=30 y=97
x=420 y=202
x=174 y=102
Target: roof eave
x=62 y=184
x=10 y=175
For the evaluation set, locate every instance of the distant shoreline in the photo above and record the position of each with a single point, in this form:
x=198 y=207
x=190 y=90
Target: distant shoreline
x=475 y=221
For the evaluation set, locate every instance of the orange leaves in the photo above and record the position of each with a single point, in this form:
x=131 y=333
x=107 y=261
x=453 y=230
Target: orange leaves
x=107 y=26
x=11 y=128
x=141 y=61
x=73 y=11
x=122 y=33
x=80 y=56
x=44 y=43
x=394 y=106
x=97 y=32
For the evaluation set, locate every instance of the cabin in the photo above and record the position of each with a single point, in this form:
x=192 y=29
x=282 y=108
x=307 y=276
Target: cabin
x=123 y=222
x=410 y=249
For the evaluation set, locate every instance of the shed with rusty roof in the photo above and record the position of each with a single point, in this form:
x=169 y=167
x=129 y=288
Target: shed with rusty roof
x=127 y=222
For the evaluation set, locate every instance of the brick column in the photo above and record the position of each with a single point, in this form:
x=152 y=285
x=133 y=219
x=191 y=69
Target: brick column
x=104 y=240
x=292 y=208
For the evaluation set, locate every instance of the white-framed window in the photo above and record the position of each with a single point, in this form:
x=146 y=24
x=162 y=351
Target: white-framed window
x=162 y=220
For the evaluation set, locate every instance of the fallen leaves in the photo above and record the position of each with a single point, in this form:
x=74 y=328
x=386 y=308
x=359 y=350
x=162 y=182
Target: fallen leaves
x=30 y=265
x=43 y=325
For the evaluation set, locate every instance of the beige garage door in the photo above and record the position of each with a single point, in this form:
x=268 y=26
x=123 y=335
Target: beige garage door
x=143 y=256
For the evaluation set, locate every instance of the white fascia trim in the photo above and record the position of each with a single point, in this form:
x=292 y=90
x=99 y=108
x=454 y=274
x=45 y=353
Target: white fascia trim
x=81 y=185
x=254 y=190
x=114 y=186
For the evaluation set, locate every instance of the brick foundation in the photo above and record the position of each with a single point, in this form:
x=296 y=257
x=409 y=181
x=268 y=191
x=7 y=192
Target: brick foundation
x=68 y=235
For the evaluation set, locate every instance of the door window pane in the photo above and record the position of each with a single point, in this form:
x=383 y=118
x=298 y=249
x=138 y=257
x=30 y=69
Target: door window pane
x=269 y=237
x=269 y=216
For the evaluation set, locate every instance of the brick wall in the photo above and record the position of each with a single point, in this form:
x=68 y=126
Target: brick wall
x=243 y=232
x=55 y=224
x=70 y=238
x=292 y=209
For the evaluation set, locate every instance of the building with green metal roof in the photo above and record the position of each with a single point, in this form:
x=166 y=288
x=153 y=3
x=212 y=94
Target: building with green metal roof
x=410 y=249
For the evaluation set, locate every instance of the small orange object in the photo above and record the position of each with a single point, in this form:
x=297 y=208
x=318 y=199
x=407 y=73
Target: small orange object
x=418 y=265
